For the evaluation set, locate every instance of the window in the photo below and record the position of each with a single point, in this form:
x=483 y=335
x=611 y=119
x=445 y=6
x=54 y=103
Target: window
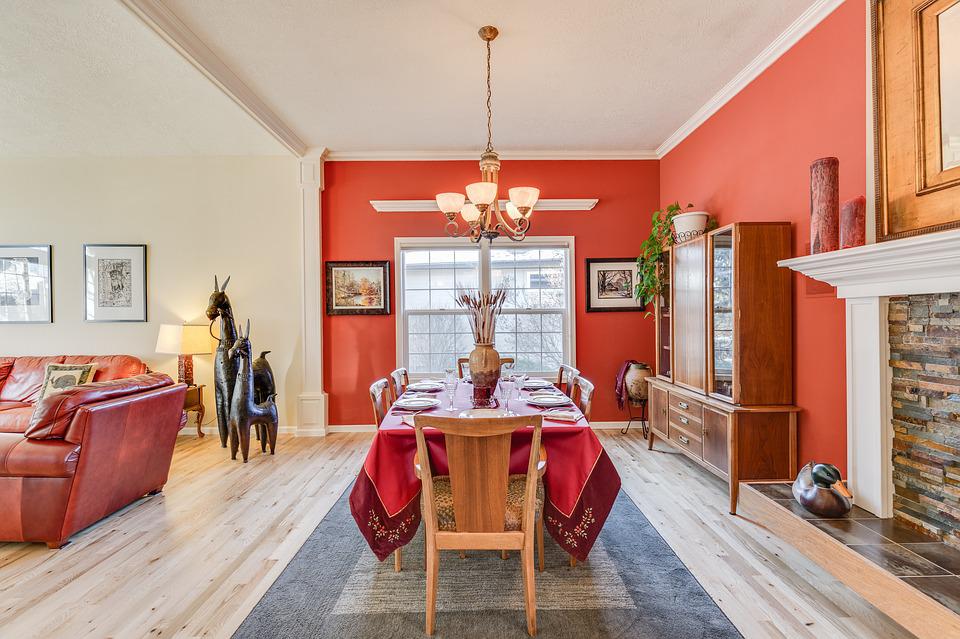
x=535 y=328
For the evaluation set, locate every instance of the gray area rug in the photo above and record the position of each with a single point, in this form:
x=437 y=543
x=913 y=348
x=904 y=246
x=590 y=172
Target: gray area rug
x=633 y=585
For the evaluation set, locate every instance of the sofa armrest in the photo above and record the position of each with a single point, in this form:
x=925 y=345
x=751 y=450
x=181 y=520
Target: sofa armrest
x=22 y=457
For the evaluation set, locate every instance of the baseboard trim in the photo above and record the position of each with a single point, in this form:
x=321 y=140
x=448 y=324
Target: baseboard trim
x=352 y=428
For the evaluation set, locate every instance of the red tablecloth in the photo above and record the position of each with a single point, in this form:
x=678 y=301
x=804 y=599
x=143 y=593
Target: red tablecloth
x=580 y=482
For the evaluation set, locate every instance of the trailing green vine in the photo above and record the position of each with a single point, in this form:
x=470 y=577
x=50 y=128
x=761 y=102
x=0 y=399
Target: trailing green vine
x=648 y=284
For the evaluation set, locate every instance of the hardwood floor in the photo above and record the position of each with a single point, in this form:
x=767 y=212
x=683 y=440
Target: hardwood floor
x=193 y=561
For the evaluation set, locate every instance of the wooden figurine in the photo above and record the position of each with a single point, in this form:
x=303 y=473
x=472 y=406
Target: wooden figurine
x=245 y=411
x=264 y=385
x=820 y=490
x=224 y=367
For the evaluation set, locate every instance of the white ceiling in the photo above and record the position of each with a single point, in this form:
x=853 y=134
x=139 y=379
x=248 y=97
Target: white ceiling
x=88 y=78
x=374 y=76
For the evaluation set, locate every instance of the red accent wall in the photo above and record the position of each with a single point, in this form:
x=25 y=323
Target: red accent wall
x=750 y=161
x=359 y=349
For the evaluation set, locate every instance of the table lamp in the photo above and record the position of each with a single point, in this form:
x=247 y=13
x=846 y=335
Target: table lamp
x=184 y=341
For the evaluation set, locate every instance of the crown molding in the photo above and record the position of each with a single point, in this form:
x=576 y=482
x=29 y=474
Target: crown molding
x=809 y=19
x=474 y=154
x=421 y=206
x=168 y=26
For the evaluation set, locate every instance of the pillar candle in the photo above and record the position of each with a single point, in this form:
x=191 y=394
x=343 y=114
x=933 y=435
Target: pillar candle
x=853 y=222
x=824 y=205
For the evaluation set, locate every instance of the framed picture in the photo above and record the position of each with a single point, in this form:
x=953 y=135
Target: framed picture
x=115 y=282
x=610 y=283
x=26 y=289
x=358 y=288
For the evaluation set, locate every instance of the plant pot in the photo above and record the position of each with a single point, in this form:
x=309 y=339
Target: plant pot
x=484 y=372
x=635 y=382
x=690 y=225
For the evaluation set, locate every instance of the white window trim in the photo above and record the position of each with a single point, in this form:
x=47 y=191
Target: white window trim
x=570 y=312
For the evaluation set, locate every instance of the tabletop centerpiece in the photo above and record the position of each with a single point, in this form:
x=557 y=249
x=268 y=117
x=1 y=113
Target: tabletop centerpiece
x=483 y=308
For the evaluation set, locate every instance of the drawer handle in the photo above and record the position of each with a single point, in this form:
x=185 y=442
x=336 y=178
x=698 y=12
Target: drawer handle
x=683 y=440
x=684 y=420
x=684 y=405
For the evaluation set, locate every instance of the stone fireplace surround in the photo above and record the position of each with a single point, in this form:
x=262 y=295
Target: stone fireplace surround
x=867 y=277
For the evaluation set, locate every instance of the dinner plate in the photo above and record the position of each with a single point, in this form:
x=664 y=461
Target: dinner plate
x=475 y=413
x=533 y=384
x=426 y=387
x=549 y=401
x=417 y=403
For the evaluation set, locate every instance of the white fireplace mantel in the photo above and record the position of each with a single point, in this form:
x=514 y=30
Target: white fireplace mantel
x=866 y=277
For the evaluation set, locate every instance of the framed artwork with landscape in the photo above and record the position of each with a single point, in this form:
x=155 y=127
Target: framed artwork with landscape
x=358 y=288
x=115 y=282
x=610 y=283
x=26 y=291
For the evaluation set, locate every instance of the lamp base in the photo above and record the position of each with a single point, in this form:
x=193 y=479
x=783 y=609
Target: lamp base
x=185 y=369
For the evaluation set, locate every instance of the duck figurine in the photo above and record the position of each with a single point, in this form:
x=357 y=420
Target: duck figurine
x=820 y=490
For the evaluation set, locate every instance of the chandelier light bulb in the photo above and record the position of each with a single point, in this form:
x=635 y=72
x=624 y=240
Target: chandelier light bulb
x=450 y=202
x=470 y=212
x=524 y=196
x=482 y=193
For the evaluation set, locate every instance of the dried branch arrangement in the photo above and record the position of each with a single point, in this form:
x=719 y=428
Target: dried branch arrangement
x=484 y=309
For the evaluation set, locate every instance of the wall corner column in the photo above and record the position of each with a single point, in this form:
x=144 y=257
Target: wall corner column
x=312 y=402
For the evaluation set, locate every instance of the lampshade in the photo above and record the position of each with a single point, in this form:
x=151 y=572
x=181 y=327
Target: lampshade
x=450 y=202
x=512 y=211
x=184 y=339
x=481 y=193
x=470 y=212
x=524 y=196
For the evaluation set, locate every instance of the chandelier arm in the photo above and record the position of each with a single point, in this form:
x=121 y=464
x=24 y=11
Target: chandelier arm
x=509 y=229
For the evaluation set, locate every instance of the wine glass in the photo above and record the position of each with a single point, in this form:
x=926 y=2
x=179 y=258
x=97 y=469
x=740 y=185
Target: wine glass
x=450 y=385
x=506 y=390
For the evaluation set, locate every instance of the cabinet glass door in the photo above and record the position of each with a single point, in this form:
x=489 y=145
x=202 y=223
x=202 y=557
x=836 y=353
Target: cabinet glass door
x=721 y=313
x=663 y=317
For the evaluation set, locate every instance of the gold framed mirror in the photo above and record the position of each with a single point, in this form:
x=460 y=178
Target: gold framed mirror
x=917 y=101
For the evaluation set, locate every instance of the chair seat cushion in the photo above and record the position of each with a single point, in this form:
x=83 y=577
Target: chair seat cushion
x=22 y=457
x=15 y=417
x=513 y=520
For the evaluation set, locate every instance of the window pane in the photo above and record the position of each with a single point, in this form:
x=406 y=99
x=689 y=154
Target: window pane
x=417 y=300
x=418 y=323
x=419 y=363
x=442 y=258
x=418 y=343
x=441 y=278
x=552 y=322
x=468 y=278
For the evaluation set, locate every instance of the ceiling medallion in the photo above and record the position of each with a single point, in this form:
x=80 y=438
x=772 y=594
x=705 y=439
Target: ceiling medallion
x=482 y=212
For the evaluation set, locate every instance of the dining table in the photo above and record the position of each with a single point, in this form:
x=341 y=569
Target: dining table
x=580 y=482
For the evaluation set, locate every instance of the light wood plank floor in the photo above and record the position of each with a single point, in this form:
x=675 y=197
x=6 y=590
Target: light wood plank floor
x=194 y=561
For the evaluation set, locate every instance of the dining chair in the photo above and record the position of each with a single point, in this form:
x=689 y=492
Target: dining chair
x=566 y=376
x=399 y=380
x=381 y=400
x=582 y=395
x=462 y=362
x=479 y=505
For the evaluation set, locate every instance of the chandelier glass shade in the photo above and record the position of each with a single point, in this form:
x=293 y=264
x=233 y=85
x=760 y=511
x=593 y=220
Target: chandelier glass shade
x=480 y=208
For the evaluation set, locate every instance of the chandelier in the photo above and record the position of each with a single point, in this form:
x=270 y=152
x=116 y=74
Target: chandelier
x=482 y=212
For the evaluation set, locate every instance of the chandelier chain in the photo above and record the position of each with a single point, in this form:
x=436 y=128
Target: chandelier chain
x=489 y=105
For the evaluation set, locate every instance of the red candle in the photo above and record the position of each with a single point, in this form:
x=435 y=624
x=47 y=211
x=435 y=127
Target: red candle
x=824 y=205
x=853 y=222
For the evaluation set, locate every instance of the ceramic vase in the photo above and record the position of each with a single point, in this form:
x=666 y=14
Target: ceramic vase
x=824 y=205
x=635 y=382
x=484 y=373
x=853 y=222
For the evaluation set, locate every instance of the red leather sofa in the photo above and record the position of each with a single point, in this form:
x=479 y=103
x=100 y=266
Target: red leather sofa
x=85 y=452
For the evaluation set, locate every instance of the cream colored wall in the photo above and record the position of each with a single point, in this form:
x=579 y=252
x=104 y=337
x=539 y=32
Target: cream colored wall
x=198 y=216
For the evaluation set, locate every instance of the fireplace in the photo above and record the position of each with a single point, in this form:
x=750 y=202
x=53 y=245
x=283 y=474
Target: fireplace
x=903 y=387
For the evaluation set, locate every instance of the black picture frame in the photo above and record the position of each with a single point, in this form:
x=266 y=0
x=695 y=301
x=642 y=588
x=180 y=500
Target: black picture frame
x=593 y=303
x=136 y=250
x=9 y=251
x=383 y=308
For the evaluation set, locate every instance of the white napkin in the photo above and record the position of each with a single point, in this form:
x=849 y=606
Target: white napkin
x=408 y=420
x=561 y=415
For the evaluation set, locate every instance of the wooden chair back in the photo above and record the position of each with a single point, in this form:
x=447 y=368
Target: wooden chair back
x=461 y=363
x=399 y=380
x=380 y=399
x=566 y=376
x=582 y=395
x=478 y=459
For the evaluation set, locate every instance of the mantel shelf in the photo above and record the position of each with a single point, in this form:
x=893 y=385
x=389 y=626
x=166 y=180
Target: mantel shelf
x=421 y=206
x=910 y=266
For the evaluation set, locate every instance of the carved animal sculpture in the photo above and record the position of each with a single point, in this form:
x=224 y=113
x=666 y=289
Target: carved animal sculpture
x=244 y=409
x=224 y=368
x=820 y=490
x=263 y=386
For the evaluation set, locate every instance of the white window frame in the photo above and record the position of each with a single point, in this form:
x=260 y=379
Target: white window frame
x=569 y=311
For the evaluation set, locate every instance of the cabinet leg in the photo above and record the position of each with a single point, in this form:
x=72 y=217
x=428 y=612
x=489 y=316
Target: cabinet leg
x=650 y=439
x=734 y=493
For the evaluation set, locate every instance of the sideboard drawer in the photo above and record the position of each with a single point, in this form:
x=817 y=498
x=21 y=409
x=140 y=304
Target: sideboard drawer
x=686 y=433
x=691 y=408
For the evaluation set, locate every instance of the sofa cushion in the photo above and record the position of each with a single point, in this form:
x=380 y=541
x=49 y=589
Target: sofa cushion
x=52 y=415
x=6 y=365
x=23 y=383
x=110 y=366
x=16 y=417
x=59 y=377
x=22 y=457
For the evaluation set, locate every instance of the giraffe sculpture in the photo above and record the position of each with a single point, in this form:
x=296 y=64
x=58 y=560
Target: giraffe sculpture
x=244 y=409
x=224 y=367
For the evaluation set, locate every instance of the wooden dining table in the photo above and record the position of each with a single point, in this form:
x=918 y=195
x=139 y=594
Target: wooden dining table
x=580 y=482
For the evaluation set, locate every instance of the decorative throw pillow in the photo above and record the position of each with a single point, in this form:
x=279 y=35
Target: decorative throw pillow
x=60 y=377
